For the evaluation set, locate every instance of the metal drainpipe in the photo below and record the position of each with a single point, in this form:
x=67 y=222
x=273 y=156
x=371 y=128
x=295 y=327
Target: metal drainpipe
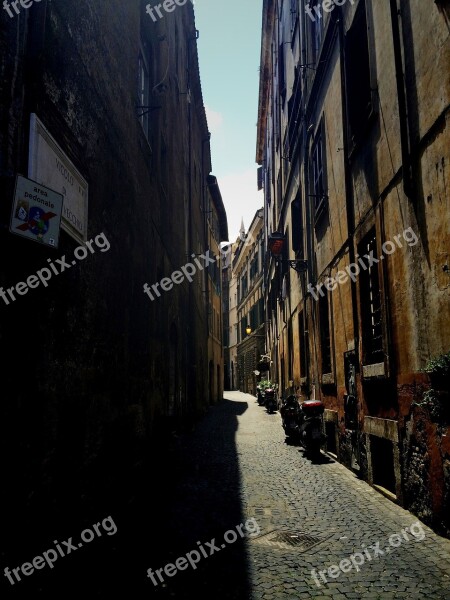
x=304 y=78
x=205 y=230
x=280 y=223
x=281 y=173
x=402 y=104
x=349 y=200
x=307 y=132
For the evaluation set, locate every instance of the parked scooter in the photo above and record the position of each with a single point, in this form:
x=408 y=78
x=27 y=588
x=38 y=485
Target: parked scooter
x=290 y=417
x=311 y=426
x=271 y=401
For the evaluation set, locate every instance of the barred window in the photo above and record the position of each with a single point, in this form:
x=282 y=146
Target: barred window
x=370 y=296
x=325 y=337
x=319 y=180
x=357 y=70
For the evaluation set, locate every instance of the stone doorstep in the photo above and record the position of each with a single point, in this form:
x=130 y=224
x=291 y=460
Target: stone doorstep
x=386 y=493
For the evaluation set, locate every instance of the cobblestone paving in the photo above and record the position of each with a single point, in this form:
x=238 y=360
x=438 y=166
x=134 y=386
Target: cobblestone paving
x=260 y=476
x=326 y=500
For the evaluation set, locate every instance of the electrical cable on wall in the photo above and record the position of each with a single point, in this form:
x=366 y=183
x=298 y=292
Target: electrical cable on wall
x=162 y=39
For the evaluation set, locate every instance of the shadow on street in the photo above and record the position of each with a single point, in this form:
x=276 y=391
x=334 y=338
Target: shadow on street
x=182 y=494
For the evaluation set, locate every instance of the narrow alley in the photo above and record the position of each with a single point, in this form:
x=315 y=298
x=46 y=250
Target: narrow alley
x=225 y=299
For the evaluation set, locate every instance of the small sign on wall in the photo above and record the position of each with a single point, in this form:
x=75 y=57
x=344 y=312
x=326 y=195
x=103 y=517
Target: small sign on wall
x=50 y=165
x=36 y=212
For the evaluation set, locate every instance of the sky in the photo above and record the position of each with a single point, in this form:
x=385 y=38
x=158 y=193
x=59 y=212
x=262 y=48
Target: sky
x=229 y=53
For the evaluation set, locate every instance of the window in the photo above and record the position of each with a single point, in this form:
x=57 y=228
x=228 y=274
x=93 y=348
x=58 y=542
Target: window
x=260 y=173
x=371 y=314
x=297 y=227
x=290 y=352
x=273 y=295
x=325 y=338
x=276 y=123
x=254 y=267
x=294 y=14
x=143 y=92
x=268 y=189
x=357 y=71
x=279 y=196
x=254 y=317
x=210 y=317
x=281 y=73
x=244 y=286
x=244 y=327
x=284 y=267
x=260 y=311
x=316 y=30
x=319 y=171
x=303 y=350
x=294 y=104
x=213 y=271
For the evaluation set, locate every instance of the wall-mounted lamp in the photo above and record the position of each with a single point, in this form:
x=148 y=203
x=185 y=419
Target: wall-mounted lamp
x=276 y=243
x=248 y=331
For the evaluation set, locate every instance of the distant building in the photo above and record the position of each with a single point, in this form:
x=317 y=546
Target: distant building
x=217 y=232
x=230 y=318
x=353 y=141
x=248 y=265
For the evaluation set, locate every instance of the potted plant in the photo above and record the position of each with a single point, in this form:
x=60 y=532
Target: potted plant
x=438 y=370
x=436 y=398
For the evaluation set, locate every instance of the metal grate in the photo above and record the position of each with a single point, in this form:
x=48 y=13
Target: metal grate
x=286 y=540
x=269 y=512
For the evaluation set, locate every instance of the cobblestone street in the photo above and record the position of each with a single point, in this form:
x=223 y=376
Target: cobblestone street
x=261 y=476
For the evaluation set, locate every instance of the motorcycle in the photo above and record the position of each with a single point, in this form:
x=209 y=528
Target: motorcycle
x=290 y=414
x=311 y=426
x=270 y=400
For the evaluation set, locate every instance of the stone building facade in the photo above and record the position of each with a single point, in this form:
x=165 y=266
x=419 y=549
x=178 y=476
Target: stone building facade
x=95 y=369
x=353 y=139
x=248 y=266
x=229 y=286
x=217 y=232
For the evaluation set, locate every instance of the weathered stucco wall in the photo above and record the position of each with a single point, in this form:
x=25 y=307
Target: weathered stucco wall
x=89 y=360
